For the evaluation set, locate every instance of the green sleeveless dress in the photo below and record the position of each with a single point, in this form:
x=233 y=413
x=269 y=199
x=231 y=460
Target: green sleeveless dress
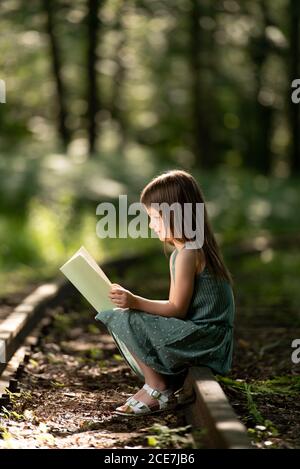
x=171 y=345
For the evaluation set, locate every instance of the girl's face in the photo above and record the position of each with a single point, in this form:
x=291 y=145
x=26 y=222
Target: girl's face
x=156 y=223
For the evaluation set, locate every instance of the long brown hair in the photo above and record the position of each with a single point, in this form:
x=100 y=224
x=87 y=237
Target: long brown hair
x=177 y=185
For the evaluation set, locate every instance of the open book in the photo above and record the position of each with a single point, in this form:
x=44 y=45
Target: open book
x=84 y=272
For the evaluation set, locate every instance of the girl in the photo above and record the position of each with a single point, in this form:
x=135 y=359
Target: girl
x=161 y=339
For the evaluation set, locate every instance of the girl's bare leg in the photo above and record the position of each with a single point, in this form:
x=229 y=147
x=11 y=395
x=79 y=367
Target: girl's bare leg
x=153 y=379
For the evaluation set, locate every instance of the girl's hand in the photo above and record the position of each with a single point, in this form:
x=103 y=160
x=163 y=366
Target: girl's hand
x=121 y=297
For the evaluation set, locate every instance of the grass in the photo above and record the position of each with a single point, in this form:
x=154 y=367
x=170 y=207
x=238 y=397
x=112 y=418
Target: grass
x=283 y=385
x=161 y=436
x=260 y=428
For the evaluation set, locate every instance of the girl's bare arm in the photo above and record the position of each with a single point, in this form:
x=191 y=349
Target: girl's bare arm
x=181 y=290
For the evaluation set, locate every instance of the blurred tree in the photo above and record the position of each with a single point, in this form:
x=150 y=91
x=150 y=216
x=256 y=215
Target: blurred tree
x=117 y=112
x=202 y=98
x=260 y=156
x=192 y=83
x=93 y=24
x=49 y=8
x=294 y=73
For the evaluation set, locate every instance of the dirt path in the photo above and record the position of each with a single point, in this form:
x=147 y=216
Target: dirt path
x=71 y=385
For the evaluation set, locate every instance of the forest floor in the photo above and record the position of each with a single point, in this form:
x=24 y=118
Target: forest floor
x=76 y=377
x=73 y=381
x=264 y=383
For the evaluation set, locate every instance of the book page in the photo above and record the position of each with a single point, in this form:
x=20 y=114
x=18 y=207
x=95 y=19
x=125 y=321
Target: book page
x=84 y=253
x=92 y=261
x=89 y=282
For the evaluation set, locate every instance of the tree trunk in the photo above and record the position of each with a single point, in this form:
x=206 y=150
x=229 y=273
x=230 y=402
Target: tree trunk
x=49 y=6
x=260 y=156
x=116 y=109
x=92 y=93
x=203 y=144
x=295 y=73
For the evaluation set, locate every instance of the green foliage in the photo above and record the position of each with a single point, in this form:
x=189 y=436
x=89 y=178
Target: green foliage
x=4 y=433
x=282 y=385
x=252 y=408
x=262 y=433
x=11 y=414
x=13 y=396
x=158 y=94
x=287 y=385
x=57 y=384
x=93 y=329
x=117 y=357
x=163 y=436
x=62 y=323
x=146 y=71
x=95 y=353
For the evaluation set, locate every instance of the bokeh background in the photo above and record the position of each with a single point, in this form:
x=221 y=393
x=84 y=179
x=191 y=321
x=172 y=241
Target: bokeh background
x=103 y=95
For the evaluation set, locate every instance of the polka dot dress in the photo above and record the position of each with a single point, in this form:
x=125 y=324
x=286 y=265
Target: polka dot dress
x=171 y=345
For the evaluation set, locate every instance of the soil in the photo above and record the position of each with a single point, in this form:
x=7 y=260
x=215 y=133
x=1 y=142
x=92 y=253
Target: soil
x=75 y=379
x=71 y=385
x=262 y=356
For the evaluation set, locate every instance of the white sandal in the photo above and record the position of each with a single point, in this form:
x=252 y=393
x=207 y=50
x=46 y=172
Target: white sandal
x=136 y=407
